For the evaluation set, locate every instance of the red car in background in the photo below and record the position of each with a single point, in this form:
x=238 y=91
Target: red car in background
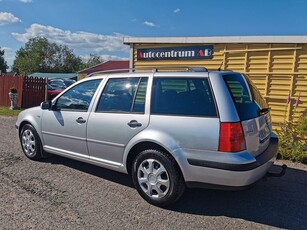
x=52 y=92
x=56 y=86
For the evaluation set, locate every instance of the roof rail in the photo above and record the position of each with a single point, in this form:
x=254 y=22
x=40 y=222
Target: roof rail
x=186 y=68
x=155 y=69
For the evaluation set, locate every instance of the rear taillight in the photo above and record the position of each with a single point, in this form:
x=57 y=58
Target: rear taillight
x=231 y=137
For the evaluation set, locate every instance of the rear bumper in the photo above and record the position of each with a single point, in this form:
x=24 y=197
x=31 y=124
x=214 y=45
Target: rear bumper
x=261 y=159
x=198 y=172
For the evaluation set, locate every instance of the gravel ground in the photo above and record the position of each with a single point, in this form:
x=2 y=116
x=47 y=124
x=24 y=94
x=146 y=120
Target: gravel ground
x=59 y=193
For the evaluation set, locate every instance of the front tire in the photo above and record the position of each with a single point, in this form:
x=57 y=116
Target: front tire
x=30 y=142
x=157 y=177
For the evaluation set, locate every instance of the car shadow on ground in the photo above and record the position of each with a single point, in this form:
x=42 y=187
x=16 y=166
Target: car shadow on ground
x=103 y=173
x=277 y=202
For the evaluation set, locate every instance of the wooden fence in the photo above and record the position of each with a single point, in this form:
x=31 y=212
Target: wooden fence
x=31 y=91
x=7 y=82
x=34 y=91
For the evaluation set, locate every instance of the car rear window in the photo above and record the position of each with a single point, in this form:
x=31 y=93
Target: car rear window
x=183 y=97
x=246 y=96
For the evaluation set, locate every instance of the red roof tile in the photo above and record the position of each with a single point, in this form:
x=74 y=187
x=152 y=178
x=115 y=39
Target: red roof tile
x=108 y=65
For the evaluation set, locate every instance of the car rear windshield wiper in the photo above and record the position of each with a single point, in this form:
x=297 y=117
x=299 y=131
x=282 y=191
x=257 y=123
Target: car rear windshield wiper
x=264 y=111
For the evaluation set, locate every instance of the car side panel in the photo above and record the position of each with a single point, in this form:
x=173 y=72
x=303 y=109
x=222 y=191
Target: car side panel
x=225 y=105
x=190 y=132
x=32 y=116
x=61 y=131
x=109 y=133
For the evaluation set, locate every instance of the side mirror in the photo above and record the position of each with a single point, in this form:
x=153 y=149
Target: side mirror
x=46 y=105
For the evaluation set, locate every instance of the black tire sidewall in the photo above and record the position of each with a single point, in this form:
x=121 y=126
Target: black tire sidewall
x=175 y=178
x=37 y=153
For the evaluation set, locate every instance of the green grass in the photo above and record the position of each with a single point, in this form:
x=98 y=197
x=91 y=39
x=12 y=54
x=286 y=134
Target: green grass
x=6 y=111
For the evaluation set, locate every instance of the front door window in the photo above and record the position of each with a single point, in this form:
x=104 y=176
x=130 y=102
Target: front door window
x=79 y=97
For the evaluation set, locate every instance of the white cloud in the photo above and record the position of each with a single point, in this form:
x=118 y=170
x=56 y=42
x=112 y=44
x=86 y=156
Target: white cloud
x=177 y=10
x=76 y=40
x=6 y=49
x=25 y=1
x=9 y=56
x=150 y=24
x=8 y=18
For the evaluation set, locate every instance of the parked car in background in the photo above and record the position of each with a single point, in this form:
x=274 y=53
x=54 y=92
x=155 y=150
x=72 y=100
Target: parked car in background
x=52 y=92
x=61 y=83
x=68 y=82
x=57 y=83
x=168 y=130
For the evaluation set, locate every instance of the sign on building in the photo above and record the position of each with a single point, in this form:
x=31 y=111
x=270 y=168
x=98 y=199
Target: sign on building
x=176 y=53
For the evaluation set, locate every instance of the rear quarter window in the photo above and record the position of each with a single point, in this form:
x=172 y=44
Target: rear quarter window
x=182 y=97
x=245 y=95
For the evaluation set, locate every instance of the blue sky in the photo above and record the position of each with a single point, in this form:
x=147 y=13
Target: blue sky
x=98 y=26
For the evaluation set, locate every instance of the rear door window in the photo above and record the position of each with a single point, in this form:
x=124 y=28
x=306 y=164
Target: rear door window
x=182 y=96
x=123 y=95
x=246 y=96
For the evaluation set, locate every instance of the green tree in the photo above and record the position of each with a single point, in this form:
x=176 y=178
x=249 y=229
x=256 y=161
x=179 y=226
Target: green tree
x=3 y=65
x=92 y=61
x=39 y=55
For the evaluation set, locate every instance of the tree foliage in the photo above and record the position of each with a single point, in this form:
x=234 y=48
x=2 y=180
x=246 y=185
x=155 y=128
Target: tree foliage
x=39 y=55
x=3 y=65
x=92 y=61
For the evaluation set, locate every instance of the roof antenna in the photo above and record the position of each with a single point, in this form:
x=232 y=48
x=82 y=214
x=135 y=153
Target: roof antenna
x=219 y=69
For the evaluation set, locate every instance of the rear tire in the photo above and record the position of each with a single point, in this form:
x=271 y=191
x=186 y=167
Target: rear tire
x=157 y=177
x=30 y=142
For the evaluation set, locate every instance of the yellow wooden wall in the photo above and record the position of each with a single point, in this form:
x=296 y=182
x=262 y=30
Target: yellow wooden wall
x=81 y=76
x=276 y=69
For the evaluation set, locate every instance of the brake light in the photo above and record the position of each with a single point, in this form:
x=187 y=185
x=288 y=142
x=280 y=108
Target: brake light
x=231 y=137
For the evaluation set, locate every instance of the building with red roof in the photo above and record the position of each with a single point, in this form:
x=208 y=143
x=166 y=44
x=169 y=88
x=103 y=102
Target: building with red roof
x=120 y=65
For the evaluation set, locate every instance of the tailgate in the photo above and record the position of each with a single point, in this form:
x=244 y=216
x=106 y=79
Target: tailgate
x=257 y=133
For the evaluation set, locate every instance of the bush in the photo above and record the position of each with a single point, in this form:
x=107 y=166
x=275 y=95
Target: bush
x=292 y=140
x=13 y=90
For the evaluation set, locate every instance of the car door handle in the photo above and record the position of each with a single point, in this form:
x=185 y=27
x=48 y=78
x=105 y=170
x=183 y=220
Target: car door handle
x=80 y=120
x=134 y=124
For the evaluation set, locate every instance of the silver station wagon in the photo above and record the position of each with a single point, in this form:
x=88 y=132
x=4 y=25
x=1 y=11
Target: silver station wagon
x=168 y=130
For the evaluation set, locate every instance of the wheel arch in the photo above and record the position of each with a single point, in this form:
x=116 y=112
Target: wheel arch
x=35 y=126
x=144 y=145
x=22 y=124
